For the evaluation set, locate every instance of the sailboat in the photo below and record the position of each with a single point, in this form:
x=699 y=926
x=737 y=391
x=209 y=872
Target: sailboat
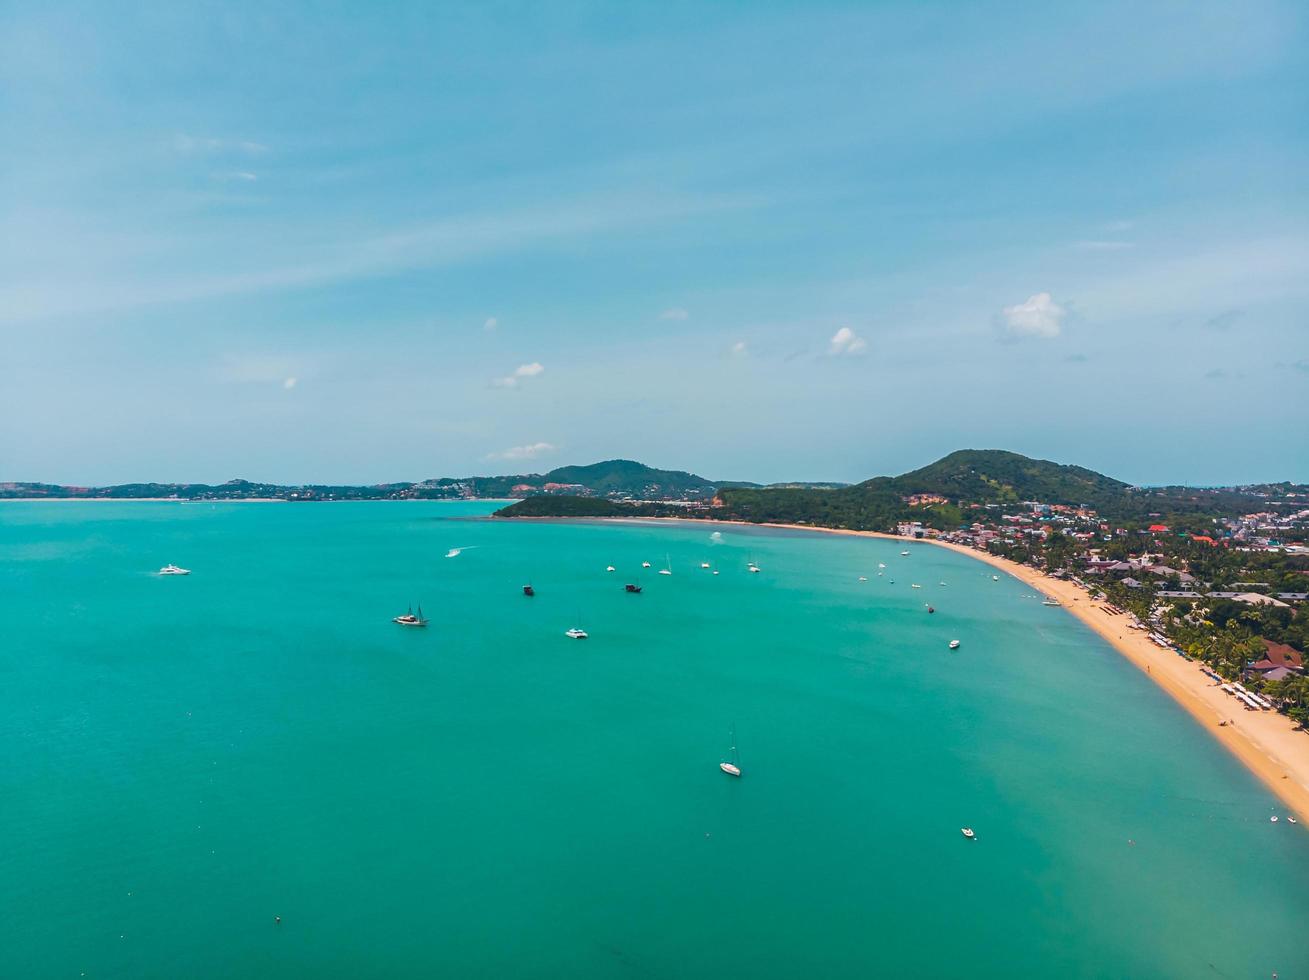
x=409 y=619
x=751 y=566
x=732 y=768
x=668 y=566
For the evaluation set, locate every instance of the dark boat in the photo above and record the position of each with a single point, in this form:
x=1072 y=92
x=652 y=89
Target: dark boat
x=528 y=590
x=632 y=588
x=930 y=609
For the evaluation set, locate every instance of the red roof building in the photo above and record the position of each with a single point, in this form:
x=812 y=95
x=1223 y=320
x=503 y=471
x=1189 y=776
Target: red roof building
x=1158 y=528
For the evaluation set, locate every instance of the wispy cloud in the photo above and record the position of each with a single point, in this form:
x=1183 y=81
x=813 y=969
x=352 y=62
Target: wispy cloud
x=1037 y=316
x=530 y=451
x=258 y=369
x=846 y=341
x=520 y=372
x=674 y=313
x=230 y=175
x=330 y=257
x=185 y=143
x=739 y=349
x=1102 y=245
x=1224 y=320
x=491 y=324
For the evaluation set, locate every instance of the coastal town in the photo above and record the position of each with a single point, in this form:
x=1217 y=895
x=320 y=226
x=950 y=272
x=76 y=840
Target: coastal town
x=1233 y=598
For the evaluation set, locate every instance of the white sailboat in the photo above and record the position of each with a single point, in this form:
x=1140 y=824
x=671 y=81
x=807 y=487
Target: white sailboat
x=668 y=566
x=732 y=767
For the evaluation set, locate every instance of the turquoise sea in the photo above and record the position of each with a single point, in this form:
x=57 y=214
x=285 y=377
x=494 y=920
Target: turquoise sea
x=183 y=759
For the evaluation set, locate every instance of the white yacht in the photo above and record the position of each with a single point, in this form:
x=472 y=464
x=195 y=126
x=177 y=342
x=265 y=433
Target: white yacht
x=1050 y=601
x=863 y=578
x=904 y=554
x=968 y=832
x=575 y=633
x=410 y=619
x=732 y=768
x=609 y=568
x=645 y=564
x=174 y=570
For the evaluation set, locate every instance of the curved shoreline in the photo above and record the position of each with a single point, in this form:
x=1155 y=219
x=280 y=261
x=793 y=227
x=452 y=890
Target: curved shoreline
x=1266 y=742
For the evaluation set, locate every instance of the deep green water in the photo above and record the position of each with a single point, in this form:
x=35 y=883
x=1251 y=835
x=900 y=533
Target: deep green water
x=183 y=759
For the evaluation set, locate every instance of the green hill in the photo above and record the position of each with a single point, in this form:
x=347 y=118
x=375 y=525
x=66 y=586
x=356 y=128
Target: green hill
x=997 y=476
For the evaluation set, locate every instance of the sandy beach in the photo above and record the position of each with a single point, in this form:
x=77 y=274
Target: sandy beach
x=1268 y=743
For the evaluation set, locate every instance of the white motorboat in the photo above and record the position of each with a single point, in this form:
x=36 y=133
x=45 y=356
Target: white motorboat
x=995 y=578
x=968 y=832
x=645 y=564
x=575 y=633
x=863 y=578
x=1272 y=819
x=704 y=564
x=904 y=554
x=174 y=570
x=1050 y=602
x=954 y=644
x=609 y=568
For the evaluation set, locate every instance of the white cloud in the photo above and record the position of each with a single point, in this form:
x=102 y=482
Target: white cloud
x=530 y=451
x=1038 y=316
x=289 y=383
x=739 y=348
x=491 y=324
x=846 y=341
x=674 y=313
x=520 y=372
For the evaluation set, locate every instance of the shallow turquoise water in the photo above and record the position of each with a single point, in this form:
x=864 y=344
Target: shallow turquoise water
x=183 y=759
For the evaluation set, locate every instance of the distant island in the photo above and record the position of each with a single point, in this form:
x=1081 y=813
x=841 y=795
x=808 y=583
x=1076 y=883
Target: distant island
x=614 y=479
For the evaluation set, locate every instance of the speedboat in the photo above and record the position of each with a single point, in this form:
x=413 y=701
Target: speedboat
x=410 y=619
x=1292 y=820
x=645 y=564
x=575 y=633
x=753 y=568
x=904 y=554
x=453 y=552
x=915 y=586
x=863 y=578
x=881 y=564
x=954 y=644
x=704 y=564
x=609 y=568
x=995 y=578
x=1272 y=819
x=174 y=570
x=968 y=832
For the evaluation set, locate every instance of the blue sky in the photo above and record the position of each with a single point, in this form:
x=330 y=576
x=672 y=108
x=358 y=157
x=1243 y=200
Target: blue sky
x=356 y=243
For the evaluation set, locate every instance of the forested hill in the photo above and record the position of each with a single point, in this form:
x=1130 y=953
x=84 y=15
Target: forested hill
x=982 y=476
